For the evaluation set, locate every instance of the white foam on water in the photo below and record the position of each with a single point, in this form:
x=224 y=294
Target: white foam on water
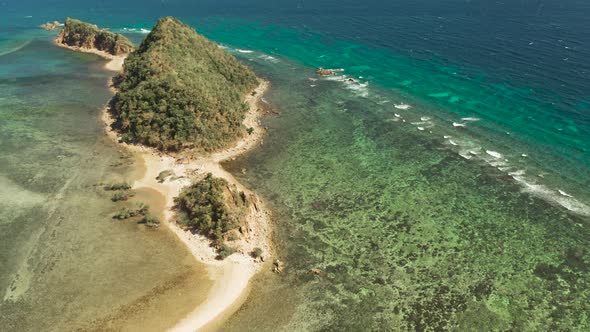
x=361 y=89
x=563 y=193
x=402 y=106
x=470 y=150
x=519 y=172
x=134 y=30
x=425 y=118
x=465 y=155
x=567 y=201
x=383 y=102
x=264 y=100
x=470 y=119
x=396 y=115
x=455 y=124
x=494 y=154
x=524 y=155
x=245 y=51
x=420 y=128
x=313 y=79
x=269 y=58
x=475 y=151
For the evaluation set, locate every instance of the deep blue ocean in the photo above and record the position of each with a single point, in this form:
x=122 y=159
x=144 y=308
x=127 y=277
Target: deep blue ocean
x=445 y=188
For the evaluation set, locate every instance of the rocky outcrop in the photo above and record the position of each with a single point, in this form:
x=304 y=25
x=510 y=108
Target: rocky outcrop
x=50 y=25
x=325 y=72
x=278 y=266
x=83 y=35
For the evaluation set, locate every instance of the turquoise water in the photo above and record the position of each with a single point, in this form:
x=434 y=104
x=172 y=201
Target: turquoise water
x=410 y=235
x=444 y=189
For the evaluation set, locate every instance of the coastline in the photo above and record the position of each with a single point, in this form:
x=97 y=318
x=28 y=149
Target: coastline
x=115 y=62
x=231 y=276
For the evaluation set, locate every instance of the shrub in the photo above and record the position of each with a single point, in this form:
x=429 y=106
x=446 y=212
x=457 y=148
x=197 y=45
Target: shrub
x=150 y=221
x=250 y=130
x=163 y=175
x=118 y=186
x=225 y=251
x=256 y=253
x=126 y=213
x=121 y=196
x=232 y=236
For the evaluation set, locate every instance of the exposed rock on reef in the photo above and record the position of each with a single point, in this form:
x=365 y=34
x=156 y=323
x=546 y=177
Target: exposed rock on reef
x=50 y=25
x=328 y=72
x=88 y=36
x=325 y=72
x=278 y=266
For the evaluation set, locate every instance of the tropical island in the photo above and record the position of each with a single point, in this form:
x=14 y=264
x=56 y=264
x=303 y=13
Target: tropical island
x=183 y=105
x=88 y=38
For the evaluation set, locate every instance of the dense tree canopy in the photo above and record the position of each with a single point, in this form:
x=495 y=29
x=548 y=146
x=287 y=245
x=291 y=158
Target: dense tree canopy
x=211 y=208
x=179 y=89
x=85 y=35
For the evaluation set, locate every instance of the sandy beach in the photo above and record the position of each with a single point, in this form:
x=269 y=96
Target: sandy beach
x=115 y=62
x=231 y=276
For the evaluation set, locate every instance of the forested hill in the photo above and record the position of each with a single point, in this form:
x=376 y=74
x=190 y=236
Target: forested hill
x=88 y=36
x=181 y=90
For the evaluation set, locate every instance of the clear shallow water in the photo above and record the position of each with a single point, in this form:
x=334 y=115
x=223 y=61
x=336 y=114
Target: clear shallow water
x=410 y=235
x=65 y=264
x=417 y=223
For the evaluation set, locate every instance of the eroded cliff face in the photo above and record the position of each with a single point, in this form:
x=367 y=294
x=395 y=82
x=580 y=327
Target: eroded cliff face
x=76 y=33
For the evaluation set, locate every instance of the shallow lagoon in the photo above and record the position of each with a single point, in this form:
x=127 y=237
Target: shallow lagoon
x=60 y=249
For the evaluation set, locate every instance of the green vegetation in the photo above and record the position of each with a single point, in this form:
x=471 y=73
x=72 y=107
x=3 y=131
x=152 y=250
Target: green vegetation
x=180 y=90
x=211 y=208
x=150 y=221
x=118 y=186
x=256 y=253
x=85 y=35
x=250 y=130
x=126 y=213
x=225 y=251
x=163 y=175
x=122 y=195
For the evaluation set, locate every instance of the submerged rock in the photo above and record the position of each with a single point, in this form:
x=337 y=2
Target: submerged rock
x=278 y=266
x=318 y=272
